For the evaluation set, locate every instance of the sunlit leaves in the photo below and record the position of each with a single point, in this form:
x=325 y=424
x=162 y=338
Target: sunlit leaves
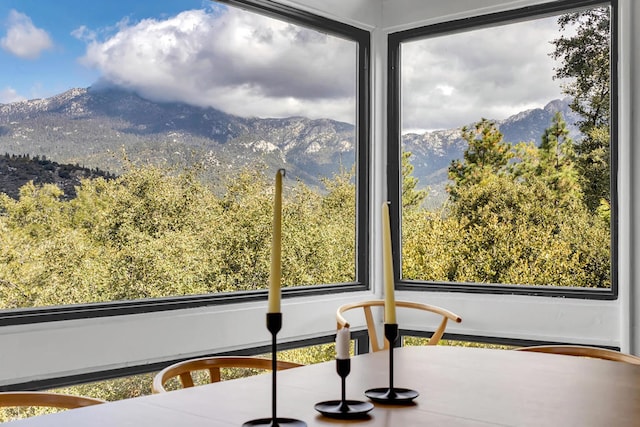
x=153 y=233
x=516 y=217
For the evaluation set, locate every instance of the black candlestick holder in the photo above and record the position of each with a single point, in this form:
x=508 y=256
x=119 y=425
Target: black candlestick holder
x=391 y=395
x=343 y=408
x=274 y=324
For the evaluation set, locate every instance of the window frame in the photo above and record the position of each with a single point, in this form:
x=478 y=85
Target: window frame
x=394 y=149
x=270 y=8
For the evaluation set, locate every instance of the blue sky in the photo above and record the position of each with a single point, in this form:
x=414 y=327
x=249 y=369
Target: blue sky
x=207 y=54
x=49 y=63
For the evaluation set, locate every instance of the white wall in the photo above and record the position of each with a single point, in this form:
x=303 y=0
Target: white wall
x=365 y=14
x=629 y=175
x=34 y=352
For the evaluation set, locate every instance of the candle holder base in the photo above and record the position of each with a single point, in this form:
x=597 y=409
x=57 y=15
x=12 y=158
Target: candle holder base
x=268 y=422
x=274 y=324
x=392 y=396
x=344 y=410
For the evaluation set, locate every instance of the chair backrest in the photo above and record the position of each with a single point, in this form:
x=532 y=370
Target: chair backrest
x=371 y=325
x=184 y=369
x=584 y=351
x=45 y=399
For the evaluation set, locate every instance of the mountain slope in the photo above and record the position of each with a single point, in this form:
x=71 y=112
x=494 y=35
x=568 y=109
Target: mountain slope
x=432 y=152
x=16 y=171
x=92 y=128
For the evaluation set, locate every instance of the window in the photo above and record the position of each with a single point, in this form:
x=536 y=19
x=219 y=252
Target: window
x=503 y=139
x=146 y=171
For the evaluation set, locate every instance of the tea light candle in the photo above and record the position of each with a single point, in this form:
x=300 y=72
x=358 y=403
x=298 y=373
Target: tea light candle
x=343 y=336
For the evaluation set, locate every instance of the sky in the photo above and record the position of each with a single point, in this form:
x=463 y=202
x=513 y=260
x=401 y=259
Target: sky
x=490 y=73
x=207 y=54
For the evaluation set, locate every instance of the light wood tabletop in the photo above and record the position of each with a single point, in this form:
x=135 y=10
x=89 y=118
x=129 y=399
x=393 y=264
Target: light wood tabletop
x=458 y=387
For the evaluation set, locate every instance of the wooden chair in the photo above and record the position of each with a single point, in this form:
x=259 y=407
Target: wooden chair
x=184 y=369
x=373 y=336
x=584 y=351
x=45 y=399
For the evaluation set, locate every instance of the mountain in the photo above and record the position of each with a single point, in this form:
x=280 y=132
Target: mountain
x=91 y=128
x=432 y=152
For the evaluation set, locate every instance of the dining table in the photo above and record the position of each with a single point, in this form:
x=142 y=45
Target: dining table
x=456 y=386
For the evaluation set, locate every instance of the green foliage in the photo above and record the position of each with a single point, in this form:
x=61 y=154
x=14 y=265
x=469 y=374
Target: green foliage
x=14 y=414
x=411 y=197
x=319 y=234
x=109 y=390
x=554 y=162
x=17 y=170
x=516 y=216
x=486 y=154
x=512 y=232
x=584 y=55
x=310 y=355
x=417 y=341
x=593 y=163
x=154 y=232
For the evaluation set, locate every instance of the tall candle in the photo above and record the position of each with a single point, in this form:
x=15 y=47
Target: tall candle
x=343 y=337
x=389 y=297
x=275 y=272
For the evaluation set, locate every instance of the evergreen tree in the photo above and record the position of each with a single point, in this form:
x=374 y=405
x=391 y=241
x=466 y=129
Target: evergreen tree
x=411 y=197
x=557 y=160
x=486 y=154
x=585 y=60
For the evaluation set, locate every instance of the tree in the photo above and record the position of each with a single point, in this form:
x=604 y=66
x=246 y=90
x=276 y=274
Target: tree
x=585 y=60
x=514 y=232
x=486 y=154
x=557 y=161
x=411 y=197
x=156 y=232
x=517 y=217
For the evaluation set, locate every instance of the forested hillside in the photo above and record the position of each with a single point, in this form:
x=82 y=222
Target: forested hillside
x=18 y=170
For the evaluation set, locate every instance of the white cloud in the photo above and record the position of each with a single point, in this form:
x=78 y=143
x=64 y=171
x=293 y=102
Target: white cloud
x=23 y=39
x=239 y=62
x=83 y=33
x=9 y=95
x=457 y=79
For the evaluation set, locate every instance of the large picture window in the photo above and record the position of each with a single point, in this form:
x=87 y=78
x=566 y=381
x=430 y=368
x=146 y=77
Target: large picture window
x=140 y=148
x=504 y=139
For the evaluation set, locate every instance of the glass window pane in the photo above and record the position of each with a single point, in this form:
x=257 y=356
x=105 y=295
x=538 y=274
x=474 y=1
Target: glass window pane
x=140 y=143
x=506 y=153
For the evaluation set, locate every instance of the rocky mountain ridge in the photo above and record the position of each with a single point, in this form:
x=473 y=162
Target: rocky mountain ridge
x=94 y=127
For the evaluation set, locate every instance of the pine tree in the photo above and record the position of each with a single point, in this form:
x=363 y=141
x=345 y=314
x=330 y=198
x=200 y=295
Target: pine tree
x=585 y=61
x=411 y=198
x=487 y=154
x=557 y=161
